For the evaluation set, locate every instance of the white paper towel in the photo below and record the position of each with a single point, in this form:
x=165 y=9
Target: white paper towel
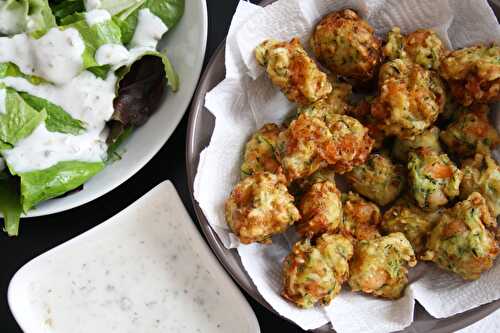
x=246 y=100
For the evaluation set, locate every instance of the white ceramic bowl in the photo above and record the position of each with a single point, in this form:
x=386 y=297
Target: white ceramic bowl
x=186 y=49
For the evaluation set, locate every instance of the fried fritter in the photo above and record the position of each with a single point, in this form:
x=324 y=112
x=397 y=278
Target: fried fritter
x=461 y=242
x=379 y=266
x=259 y=151
x=470 y=131
x=427 y=139
x=321 y=210
x=362 y=113
x=423 y=47
x=337 y=102
x=473 y=74
x=412 y=221
x=293 y=71
x=360 y=217
x=410 y=98
x=482 y=174
x=314 y=273
x=260 y=206
x=433 y=177
x=378 y=179
x=346 y=44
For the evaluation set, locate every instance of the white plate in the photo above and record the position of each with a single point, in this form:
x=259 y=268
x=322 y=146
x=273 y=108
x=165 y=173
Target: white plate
x=147 y=269
x=186 y=49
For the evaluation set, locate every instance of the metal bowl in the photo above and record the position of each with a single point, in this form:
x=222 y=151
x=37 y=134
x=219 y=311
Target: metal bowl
x=200 y=128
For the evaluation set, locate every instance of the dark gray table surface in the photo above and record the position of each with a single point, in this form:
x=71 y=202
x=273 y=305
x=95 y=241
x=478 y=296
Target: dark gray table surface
x=41 y=234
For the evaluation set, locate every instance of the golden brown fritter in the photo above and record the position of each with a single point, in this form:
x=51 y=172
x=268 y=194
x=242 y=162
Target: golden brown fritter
x=321 y=210
x=379 y=266
x=423 y=47
x=346 y=44
x=362 y=113
x=302 y=146
x=412 y=221
x=260 y=206
x=293 y=71
x=461 y=242
x=360 y=217
x=428 y=139
x=471 y=130
x=259 y=151
x=482 y=174
x=410 y=98
x=378 y=179
x=337 y=102
x=314 y=273
x=473 y=74
x=351 y=144
x=433 y=177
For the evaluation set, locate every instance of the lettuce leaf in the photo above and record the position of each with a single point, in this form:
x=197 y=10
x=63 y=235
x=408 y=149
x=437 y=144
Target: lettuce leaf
x=10 y=203
x=57 y=119
x=63 y=9
x=32 y=16
x=8 y=69
x=41 y=185
x=19 y=120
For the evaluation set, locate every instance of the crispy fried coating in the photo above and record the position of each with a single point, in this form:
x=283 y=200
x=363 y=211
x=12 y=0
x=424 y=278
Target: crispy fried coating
x=314 y=273
x=301 y=147
x=321 y=210
x=410 y=98
x=346 y=44
x=423 y=47
x=259 y=151
x=428 y=139
x=337 y=102
x=473 y=74
x=362 y=113
x=433 y=177
x=379 y=266
x=411 y=220
x=379 y=179
x=293 y=71
x=461 y=241
x=260 y=206
x=482 y=174
x=360 y=217
x=470 y=131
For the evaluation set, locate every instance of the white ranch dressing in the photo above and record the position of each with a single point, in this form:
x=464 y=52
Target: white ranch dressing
x=97 y=16
x=11 y=21
x=148 y=31
x=56 y=56
x=87 y=98
x=111 y=54
x=3 y=101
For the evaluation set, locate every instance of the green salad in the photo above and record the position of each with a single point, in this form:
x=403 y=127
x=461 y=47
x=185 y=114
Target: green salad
x=76 y=78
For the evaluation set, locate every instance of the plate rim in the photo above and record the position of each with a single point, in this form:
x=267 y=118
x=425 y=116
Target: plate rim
x=452 y=323
x=147 y=157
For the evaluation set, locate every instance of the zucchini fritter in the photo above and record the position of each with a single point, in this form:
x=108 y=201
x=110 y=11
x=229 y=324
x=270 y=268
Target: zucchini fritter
x=470 y=131
x=321 y=210
x=482 y=174
x=378 y=179
x=473 y=74
x=360 y=217
x=346 y=44
x=293 y=71
x=427 y=139
x=259 y=151
x=379 y=266
x=461 y=241
x=433 y=177
x=410 y=98
x=315 y=273
x=260 y=206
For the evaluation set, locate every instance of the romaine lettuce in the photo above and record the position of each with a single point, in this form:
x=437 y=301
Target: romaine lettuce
x=41 y=185
x=10 y=203
x=17 y=16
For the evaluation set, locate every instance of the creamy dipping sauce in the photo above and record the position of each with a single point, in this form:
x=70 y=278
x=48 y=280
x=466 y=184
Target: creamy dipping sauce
x=11 y=21
x=97 y=16
x=145 y=270
x=3 y=106
x=56 y=56
x=148 y=31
